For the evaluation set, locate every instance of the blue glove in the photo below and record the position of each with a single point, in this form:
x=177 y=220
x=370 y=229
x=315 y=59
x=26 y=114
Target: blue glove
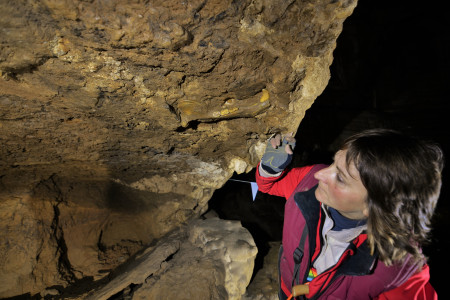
x=278 y=154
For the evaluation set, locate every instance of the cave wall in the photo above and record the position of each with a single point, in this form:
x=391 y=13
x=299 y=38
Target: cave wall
x=119 y=119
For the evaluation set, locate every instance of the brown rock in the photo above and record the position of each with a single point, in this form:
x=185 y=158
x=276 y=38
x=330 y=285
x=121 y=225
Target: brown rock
x=119 y=119
x=212 y=260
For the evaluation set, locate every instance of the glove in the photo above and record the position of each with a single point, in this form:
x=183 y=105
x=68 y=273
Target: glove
x=278 y=155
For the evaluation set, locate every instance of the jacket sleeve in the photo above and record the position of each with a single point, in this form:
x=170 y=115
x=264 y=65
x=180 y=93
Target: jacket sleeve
x=282 y=185
x=417 y=287
x=401 y=281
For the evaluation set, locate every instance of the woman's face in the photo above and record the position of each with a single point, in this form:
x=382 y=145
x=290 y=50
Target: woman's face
x=342 y=189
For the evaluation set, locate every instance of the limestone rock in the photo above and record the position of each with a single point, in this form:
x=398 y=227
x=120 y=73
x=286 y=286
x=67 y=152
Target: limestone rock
x=119 y=119
x=213 y=260
x=265 y=284
x=30 y=241
x=233 y=245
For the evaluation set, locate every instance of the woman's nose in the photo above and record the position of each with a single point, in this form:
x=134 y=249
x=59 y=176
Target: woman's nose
x=321 y=175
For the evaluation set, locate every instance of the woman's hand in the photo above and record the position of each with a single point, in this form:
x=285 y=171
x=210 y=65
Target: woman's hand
x=278 y=153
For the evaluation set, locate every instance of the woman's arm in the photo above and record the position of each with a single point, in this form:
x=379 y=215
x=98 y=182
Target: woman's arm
x=282 y=185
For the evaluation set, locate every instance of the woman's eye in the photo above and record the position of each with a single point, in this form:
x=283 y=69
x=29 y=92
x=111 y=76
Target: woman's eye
x=339 y=178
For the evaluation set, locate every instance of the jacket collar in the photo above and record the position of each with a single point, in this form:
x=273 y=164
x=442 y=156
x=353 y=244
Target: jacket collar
x=308 y=205
x=361 y=263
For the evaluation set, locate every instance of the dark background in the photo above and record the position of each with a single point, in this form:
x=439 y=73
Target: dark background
x=390 y=69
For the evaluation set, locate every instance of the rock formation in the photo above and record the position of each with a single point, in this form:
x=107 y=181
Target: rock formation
x=119 y=119
x=217 y=254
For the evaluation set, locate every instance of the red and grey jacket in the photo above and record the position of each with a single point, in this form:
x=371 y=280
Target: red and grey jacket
x=357 y=275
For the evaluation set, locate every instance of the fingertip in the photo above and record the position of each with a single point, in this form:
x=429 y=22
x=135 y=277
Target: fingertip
x=273 y=143
x=288 y=149
x=289 y=138
x=278 y=140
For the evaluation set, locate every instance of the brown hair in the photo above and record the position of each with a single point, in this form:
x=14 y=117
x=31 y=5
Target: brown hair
x=402 y=175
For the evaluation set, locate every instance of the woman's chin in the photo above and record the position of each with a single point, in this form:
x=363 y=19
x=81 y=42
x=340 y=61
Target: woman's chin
x=318 y=194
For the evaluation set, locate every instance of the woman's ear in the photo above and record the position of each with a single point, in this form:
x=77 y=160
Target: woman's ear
x=366 y=211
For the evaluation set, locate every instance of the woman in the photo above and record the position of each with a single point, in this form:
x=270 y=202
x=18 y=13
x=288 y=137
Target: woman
x=357 y=233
